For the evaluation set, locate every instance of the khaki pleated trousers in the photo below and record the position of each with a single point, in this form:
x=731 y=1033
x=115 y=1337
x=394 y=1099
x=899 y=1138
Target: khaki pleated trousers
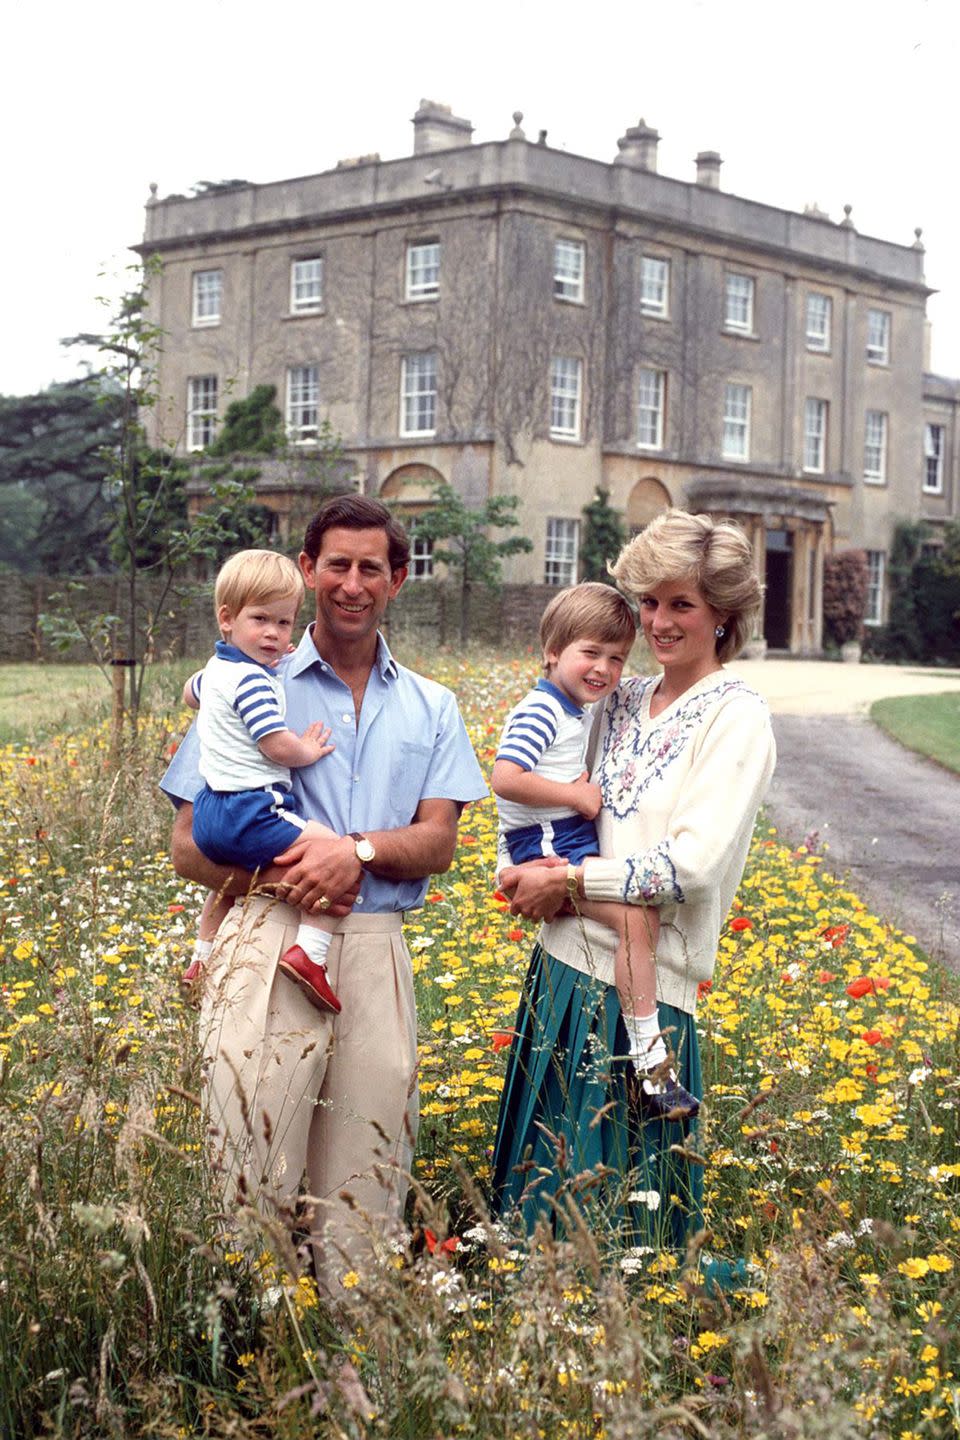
x=312 y=1113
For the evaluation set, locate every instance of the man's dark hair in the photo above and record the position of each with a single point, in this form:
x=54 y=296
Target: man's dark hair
x=356 y=512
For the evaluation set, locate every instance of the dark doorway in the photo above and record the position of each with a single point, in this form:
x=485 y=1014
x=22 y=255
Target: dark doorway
x=776 y=620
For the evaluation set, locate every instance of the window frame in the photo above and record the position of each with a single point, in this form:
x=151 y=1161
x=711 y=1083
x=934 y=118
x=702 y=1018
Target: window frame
x=878 y=350
x=420 y=289
x=200 y=319
x=659 y=308
x=876 y=579
x=576 y=280
x=300 y=433
x=561 y=551
x=416 y=398
x=878 y=476
x=199 y=414
x=735 y=326
x=310 y=306
x=819 y=342
x=936 y=454
x=658 y=411
x=420 y=566
x=816 y=436
x=743 y=422
x=562 y=400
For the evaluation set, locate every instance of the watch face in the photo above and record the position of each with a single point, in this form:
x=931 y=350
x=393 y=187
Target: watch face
x=365 y=851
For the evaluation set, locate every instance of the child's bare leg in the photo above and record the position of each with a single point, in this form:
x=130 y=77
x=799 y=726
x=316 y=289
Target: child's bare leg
x=634 y=971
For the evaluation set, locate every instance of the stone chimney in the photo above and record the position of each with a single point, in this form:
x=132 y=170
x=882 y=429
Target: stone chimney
x=708 y=169
x=638 y=147
x=435 y=127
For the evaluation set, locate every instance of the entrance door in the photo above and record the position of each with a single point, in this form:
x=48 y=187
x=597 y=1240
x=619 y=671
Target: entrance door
x=776 y=617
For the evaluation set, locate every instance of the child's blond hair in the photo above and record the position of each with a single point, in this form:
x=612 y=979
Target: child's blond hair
x=589 y=611
x=254 y=577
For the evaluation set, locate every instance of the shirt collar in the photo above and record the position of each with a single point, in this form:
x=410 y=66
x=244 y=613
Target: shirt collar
x=561 y=699
x=225 y=651
x=307 y=654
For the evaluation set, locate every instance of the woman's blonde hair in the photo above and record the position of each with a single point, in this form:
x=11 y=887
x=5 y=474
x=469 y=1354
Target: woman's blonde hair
x=254 y=577
x=713 y=555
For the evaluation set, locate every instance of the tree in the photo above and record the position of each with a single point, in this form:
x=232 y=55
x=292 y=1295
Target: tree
x=845 y=580
x=252 y=426
x=56 y=456
x=461 y=541
x=902 y=638
x=935 y=580
x=604 y=534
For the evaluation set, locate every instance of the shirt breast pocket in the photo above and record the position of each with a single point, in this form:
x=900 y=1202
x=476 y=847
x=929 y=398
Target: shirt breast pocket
x=408 y=776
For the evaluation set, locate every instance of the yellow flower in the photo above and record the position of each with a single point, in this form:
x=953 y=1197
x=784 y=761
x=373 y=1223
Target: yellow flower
x=350 y=1279
x=914 y=1268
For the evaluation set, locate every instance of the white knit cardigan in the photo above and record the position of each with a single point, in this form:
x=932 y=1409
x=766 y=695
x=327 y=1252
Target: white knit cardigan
x=680 y=797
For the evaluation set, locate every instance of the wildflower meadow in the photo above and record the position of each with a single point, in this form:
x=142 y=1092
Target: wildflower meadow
x=828 y=1138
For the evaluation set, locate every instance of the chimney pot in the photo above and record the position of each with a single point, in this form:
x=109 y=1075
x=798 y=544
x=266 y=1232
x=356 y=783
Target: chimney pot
x=638 y=147
x=435 y=127
x=708 y=169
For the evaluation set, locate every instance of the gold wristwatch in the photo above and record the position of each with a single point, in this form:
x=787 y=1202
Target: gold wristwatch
x=573 y=887
x=364 y=849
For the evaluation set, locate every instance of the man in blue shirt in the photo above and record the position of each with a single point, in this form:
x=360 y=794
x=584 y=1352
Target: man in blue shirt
x=293 y=1093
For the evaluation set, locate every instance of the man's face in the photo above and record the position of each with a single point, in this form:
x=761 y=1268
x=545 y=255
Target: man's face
x=353 y=583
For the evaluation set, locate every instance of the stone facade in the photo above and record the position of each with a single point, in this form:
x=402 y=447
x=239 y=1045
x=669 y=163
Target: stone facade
x=518 y=320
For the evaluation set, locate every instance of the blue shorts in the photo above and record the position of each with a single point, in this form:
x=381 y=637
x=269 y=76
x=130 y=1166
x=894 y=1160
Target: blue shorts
x=574 y=837
x=246 y=827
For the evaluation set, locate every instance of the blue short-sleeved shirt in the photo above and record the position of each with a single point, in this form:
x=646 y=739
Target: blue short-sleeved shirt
x=411 y=745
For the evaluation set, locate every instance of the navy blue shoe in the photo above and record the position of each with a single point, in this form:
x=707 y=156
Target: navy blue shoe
x=664 y=1099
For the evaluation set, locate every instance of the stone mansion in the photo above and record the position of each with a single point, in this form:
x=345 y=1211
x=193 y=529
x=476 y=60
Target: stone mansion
x=515 y=319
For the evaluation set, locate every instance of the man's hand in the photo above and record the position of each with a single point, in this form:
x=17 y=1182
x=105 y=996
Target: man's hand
x=318 y=869
x=538 y=889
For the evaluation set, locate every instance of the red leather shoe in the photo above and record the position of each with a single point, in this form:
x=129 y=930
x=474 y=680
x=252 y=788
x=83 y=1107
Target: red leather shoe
x=191 y=975
x=296 y=964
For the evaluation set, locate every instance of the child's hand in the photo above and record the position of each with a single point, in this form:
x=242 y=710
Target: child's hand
x=315 y=737
x=585 y=797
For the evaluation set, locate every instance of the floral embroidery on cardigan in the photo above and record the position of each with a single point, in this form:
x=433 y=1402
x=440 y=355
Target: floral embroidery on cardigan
x=633 y=756
x=652 y=877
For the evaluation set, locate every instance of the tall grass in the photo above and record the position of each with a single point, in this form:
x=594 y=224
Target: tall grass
x=829 y=1140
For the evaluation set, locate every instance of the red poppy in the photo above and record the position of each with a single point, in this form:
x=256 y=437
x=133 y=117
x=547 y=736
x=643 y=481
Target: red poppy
x=500 y=898
x=446 y=1247
x=500 y=1040
x=863 y=985
x=514 y=934
x=836 y=934
x=436 y=897
x=786 y=978
x=741 y=923
x=871 y=1071
x=826 y=976
x=872 y=1037
x=468 y=839
x=704 y=988
x=174 y=909
x=882 y=982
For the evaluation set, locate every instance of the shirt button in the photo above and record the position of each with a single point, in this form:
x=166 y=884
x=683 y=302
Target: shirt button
x=346 y=719
x=356 y=779
x=359 y=900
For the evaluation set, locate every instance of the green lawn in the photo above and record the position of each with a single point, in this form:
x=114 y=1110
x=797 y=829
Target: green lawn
x=37 y=700
x=929 y=724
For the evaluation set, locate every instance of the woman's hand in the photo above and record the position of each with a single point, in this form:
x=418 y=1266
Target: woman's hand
x=538 y=889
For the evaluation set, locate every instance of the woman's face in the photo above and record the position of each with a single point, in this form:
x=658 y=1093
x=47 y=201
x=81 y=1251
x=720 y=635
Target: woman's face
x=680 y=628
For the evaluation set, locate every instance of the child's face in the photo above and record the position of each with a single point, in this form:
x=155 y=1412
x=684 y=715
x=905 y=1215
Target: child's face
x=587 y=670
x=262 y=631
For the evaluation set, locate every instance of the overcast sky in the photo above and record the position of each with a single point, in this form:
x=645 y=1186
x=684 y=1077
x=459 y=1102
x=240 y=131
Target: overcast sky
x=830 y=101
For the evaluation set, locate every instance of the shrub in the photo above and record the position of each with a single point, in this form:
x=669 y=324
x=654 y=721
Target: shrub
x=845 y=577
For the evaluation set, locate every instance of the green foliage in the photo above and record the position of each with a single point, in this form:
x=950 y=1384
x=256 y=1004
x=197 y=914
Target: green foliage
x=56 y=455
x=604 y=534
x=901 y=638
x=461 y=541
x=924 y=620
x=251 y=426
x=845 y=577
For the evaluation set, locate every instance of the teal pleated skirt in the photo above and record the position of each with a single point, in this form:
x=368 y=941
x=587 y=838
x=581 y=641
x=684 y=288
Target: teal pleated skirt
x=565 y=1134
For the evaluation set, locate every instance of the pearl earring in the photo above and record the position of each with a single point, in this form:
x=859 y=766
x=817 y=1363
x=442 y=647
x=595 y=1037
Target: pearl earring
x=720 y=632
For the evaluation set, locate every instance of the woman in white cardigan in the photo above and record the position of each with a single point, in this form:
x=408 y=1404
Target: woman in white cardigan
x=683 y=760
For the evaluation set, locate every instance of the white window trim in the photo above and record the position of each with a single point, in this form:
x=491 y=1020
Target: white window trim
x=201 y=414
x=660 y=308
x=410 y=395
x=819 y=342
x=201 y=322
x=875 y=586
x=659 y=411
x=739 y=327
x=930 y=454
x=817 y=435
x=421 y=289
x=876 y=477
x=558 y=551
x=879 y=354
x=421 y=554
x=568 y=434
x=308 y=307
x=562 y=278
x=745 y=422
x=296 y=433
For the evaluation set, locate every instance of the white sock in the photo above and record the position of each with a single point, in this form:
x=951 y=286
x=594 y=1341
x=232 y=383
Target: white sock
x=647 y=1049
x=314 y=942
x=202 y=949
